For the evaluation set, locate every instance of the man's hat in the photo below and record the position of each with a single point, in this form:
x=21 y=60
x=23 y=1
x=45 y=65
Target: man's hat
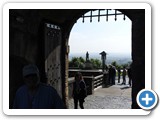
x=30 y=69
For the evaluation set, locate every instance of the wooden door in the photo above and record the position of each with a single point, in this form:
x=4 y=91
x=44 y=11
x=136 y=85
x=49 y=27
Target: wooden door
x=53 y=56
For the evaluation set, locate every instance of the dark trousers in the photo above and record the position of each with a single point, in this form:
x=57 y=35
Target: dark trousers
x=124 y=80
x=119 y=78
x=81 y=101
x=112 y=80
x=130 y=81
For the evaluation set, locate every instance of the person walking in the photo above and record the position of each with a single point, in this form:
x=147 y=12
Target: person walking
x=119 y=74
x=113 y=75
x=130 y=75
x=79 y=91
x=124 y=76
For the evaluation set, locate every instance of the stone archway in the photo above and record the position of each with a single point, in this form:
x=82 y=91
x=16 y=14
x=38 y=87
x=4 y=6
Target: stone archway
x=138 y=50
x=26 y=35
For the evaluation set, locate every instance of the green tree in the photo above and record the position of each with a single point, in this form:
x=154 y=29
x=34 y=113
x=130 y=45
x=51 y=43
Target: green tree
x=77 y=62
x=81 y=60
x=96 y=63
x=125 y=65
x=114 y=63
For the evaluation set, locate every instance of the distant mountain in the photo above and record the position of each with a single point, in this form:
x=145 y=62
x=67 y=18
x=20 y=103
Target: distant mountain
x=120 y=58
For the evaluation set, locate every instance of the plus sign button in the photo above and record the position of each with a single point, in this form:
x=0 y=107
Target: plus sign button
x=147 y=99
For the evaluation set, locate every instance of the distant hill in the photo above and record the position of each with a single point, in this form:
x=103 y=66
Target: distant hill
x=120 y=58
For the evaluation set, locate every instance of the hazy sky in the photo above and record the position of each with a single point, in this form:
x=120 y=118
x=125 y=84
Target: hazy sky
x=112 y=36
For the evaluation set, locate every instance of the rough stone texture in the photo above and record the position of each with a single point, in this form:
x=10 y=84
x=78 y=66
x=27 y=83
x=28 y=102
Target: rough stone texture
x=106 y=102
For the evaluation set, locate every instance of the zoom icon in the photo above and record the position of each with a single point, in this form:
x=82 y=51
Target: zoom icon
x=147 y=99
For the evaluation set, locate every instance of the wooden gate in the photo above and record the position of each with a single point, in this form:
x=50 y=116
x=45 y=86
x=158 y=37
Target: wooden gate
x=53 y=56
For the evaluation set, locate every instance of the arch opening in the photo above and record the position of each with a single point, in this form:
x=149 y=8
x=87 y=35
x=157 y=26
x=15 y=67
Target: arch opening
x=95 y=32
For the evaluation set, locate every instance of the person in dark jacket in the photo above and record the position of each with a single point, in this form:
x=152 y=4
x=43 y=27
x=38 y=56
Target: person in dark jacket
x=124 y=76
x=34 y=94
x=79 y=91
x=130 y=75
x=119 y=74
x=112 y=75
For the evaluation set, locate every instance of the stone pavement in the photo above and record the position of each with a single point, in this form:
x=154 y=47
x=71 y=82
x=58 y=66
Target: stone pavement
x=113 y=97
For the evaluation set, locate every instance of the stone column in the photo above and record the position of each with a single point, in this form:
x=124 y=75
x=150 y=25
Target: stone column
x=66 y=74
x=103 y=59
x=138 y=55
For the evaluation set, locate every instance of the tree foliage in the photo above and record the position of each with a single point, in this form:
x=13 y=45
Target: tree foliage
x=79 y=62
x=96 y=63
x=114 y=63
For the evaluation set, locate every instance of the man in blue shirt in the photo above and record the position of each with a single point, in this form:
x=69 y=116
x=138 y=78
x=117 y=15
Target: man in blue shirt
x=34 y=94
